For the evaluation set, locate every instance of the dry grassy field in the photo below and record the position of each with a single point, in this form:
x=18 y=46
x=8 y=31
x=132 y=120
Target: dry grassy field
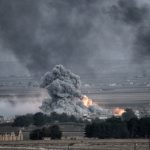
x=86 y=144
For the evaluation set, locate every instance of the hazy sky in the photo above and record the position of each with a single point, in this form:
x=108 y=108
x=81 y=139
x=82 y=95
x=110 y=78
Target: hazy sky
x=91 y=37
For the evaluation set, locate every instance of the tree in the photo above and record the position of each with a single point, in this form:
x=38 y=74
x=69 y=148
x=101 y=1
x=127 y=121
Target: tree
x=46 y=132
x=39 y=119
x=36 y=135
x=133 y=127
x=117 y=128
x=88 y=130
x=23 y=121
x=55 y=132
x=144 y=127
x=128 y=114
x=110 y=128
x=73 y=119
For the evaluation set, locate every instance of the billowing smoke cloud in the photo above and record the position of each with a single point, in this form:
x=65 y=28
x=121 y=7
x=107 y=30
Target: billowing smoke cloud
x=101 y=36
x=136 y=14
x=78 y=34
x=65 y=97
x=130 y=11
x=44 y=33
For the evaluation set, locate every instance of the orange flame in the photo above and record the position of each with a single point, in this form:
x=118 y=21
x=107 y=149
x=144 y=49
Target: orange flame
x=118 y=111
x=87 y=101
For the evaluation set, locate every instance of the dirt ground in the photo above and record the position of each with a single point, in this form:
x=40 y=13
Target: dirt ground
x=85 y=144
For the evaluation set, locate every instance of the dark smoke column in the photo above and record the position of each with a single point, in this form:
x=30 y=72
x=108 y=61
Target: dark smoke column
x=65 y=96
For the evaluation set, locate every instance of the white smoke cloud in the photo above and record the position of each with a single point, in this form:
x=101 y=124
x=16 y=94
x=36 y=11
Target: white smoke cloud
x=65 y=96
x=10 y=109
x=15 y=105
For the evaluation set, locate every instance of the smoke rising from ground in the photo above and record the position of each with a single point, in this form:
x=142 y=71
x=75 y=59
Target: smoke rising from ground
x=65 y=96
x=18 y=106
x=89 y=34
x=14 y=104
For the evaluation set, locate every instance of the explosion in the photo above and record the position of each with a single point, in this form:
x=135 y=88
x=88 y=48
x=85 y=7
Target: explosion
x=65 y=96
x=118 y=111
x=87 y=101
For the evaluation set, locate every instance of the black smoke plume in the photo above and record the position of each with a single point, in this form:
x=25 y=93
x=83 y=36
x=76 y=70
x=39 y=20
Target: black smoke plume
x=44 y=33
x=137 y=15
x=89 y=34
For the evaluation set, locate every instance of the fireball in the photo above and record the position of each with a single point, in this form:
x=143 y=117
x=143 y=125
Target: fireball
x=118 y=111
x=87 y=102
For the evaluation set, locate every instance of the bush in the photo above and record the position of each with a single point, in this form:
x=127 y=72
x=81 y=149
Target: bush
x=36 y=134
x=23 y=121
x=55 y=132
